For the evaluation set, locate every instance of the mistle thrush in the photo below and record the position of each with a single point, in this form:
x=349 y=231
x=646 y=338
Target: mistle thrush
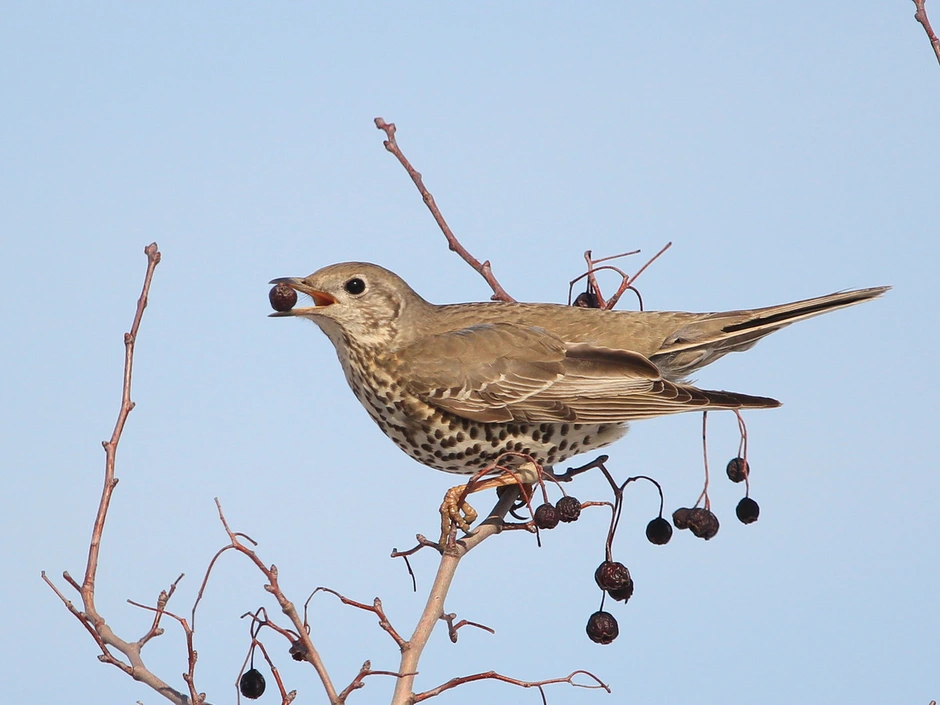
x=458 y=386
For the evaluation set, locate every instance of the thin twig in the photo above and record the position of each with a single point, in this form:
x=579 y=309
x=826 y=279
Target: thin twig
x=375 y=608
x=493 y=675
x=704 y=495
x=921 y=16
x=305 y=646
x=89 y=616
x=499 y=294
x=357 y=682
x=454 y=627
x=434 y=608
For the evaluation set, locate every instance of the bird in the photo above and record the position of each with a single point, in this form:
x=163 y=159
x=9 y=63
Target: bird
x=461 y=387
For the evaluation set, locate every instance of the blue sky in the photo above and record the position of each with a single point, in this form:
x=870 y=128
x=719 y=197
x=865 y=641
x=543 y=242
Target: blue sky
x=786 y=149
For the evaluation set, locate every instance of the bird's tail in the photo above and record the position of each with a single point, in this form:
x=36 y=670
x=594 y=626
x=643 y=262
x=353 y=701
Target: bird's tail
x=705 y=339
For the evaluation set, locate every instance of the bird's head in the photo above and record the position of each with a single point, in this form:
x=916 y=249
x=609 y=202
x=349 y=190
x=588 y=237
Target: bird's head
x=361 y=300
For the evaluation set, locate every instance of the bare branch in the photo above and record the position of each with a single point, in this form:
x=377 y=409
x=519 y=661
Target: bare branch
x=921 y=16
x=110 y=446
x=89 y=616
x=493 y=675
x=357 y=682
x=452 y=627
x=303 y=646
x=499 y=294
x=375 y=608
x=434 y=608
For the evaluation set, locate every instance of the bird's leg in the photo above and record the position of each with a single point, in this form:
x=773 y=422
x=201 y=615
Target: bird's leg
x=456 y=510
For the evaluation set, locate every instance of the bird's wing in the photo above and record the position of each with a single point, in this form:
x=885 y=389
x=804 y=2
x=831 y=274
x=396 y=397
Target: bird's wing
x=502 y=372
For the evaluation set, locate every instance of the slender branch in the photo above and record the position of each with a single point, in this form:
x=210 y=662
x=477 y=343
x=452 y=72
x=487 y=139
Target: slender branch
x=303 y=646
x=375 y=608
x=110 y=446
x=357 y=682
x=89 y=616
x=190 y=675
x=921 y=16
x=493 y=675
x=434 y=609
x=453 y=627
x=484 y=269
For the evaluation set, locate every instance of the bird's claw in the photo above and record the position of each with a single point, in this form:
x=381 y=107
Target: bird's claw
x=456 y=511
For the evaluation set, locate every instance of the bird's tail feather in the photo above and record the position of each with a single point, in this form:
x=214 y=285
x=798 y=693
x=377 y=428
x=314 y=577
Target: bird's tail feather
x=706 y=339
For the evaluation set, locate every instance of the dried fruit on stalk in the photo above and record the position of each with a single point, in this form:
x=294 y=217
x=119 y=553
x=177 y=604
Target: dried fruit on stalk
x=738 y=469
x=602 y=628
x=612 y=575
x=747 y=510
x=252 y=684
x=703 y=523
x=546 y=516
x=659 y=531
x=569 y=509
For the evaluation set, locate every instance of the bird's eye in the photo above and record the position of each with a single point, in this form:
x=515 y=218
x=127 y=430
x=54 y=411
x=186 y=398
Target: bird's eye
x=355 y=286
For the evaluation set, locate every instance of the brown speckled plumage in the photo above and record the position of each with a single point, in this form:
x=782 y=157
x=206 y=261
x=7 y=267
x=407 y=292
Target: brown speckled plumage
x=457 y=386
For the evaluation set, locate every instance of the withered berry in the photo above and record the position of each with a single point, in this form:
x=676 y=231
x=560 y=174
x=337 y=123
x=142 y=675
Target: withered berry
x=747 y=510
x=546 y=516
x=586 y=299
x=602 y=628
x=703 y=523
x=612 y=575
x=251 y=684
x=298 y=651
x=569 y=509
x=680 y=518
x=737 y=469
x=659 y=531
x=282 y=298
x=623 y=594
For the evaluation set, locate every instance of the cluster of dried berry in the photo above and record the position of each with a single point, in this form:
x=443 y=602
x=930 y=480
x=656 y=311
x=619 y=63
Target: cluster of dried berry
x=614 y=578
x=747 y=510
x=702 y=522
x=566 y=510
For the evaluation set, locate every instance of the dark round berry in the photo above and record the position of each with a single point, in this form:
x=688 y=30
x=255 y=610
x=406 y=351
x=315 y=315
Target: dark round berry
x=747 y=510
x=703 y=523
x=738 y=469
x=569 y=509
x=602 y=628
x=546 y=516
x=586 y=299
x=282 y=297
x=612 y=575
x=622 y=594
x=659 y=531
x=251 y=684
x=680 y=518
x=355 y=286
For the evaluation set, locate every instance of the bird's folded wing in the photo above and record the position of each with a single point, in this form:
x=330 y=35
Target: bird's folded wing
x=502 y=372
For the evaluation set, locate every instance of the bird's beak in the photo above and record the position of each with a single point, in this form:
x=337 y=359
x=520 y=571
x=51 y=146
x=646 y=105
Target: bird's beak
x=320 y=298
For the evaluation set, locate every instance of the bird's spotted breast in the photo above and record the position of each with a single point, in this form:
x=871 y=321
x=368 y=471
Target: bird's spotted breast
x=454 y=444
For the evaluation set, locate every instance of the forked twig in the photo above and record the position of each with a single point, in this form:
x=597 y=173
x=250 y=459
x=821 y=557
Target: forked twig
x=499 y=294
x=375 y=608
x=595 y=297
x=89 y=616
x=493 y=675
